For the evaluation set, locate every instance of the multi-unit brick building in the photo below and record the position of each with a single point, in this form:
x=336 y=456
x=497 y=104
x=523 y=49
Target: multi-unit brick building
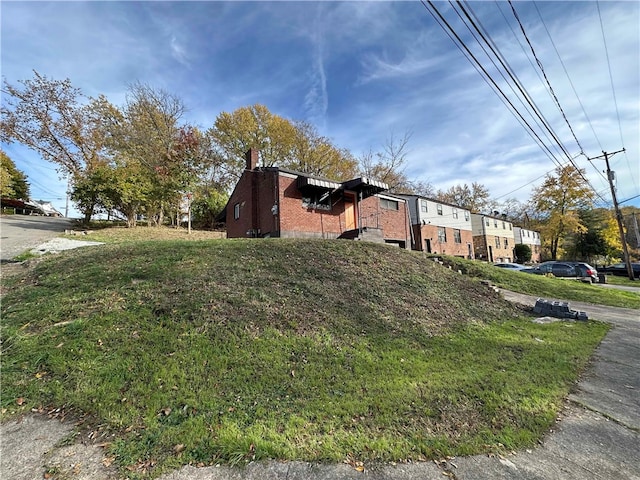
x=276 y=202
x=531 y=238
x=493 y=238
x=439 y=227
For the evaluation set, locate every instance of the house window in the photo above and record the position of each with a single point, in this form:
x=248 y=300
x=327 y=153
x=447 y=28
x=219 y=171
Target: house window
x=506 y=243
x=455 y=213
x=439 y=209
x=423 y=206
x=442 y=235
x=466 y=215
x=527 y=233
x=236 y=211
x=317 y=201
x=389 y=204
x=495 y=223
x=456 y=236
x=504 y=227
x=486 y=222
x=510 y=227
x=497 y=242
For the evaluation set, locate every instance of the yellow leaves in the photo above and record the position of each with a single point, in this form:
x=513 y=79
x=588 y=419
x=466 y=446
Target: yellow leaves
x=40 y=374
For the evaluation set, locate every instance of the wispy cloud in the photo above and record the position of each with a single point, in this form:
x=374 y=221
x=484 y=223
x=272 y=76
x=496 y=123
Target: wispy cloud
x=316 y=101
x=179 y=52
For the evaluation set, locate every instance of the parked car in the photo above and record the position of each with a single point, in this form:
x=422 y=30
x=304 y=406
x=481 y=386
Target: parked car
x=565 y=270
x=509 y=266
x=621 y=269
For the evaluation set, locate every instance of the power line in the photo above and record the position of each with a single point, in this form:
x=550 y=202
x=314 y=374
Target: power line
x=544 y=74
x=475 y=22
x=441 y=21
x=613 y=90
x=567 y=74
x=575 y=92
x=461 y=45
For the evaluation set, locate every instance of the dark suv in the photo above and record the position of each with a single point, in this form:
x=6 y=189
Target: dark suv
x=566 y=270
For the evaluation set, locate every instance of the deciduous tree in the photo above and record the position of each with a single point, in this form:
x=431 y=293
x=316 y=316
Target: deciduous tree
x=557 y=201
x=388 y=166
x=53 y=118
x=475 y=197
x=13 y=182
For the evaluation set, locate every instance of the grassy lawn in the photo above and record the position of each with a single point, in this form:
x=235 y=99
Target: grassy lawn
x=542 y=286
x=227 y=351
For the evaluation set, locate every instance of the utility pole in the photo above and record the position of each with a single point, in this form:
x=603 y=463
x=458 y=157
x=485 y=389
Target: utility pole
x=610 y=176
x=635 y=223
x=66 y=208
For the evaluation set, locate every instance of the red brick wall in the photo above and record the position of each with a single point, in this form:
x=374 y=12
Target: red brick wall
x=256 y=216
x=482 y=242
x=293 y=219
x=450 y=247
x=298 y=220
x=394 y=223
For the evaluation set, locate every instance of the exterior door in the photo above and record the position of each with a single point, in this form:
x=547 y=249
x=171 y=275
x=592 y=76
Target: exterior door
x=427 y=245
x=349 y=213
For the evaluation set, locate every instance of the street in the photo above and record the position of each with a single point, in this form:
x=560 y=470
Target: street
x=23 y=232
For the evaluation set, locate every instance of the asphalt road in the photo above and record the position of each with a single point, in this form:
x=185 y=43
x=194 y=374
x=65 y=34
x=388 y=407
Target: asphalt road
x=24 y=232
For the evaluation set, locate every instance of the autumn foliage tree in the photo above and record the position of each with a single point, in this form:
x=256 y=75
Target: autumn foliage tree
x=558 y=201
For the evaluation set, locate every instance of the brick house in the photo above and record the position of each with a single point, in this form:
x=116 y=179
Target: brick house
x=439 y=227
x=531 y=238
x=276 y=202
x=493 y=238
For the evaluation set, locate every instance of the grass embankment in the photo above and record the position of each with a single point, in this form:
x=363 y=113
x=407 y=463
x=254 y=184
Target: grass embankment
x=232 y=350
x=542 y=286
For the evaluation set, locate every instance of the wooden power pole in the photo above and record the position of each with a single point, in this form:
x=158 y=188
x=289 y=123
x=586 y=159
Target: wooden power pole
x=623 y=239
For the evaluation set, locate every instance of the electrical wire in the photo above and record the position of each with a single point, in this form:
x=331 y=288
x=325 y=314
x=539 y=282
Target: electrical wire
x=613 y=90
x=441 y=21
x=460 y=44
x=544 y=74
x=477 y=25
x=575 y=92
x=571 y=160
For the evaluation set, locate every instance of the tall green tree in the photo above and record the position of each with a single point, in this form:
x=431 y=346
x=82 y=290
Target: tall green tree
x=13 y=182
x=557 y=202
x=149 y=137
x=589 y=243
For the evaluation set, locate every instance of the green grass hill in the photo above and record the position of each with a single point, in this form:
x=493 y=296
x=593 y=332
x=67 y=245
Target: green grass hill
x=232 y=350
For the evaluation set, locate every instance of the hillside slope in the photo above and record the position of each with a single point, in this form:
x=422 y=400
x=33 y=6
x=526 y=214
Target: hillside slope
x=199 y=352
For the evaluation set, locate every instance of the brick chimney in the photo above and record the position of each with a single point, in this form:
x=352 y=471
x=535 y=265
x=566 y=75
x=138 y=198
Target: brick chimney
x=252 y=158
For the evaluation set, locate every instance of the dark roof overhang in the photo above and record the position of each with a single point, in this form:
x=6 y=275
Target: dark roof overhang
x=366 y=186
x=305 y=182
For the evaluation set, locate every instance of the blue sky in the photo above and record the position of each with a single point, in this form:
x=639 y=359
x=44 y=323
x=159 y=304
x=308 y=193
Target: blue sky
x=361 y=72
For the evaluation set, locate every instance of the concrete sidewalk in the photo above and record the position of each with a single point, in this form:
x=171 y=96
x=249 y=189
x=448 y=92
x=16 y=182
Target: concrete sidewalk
x=597 y=436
